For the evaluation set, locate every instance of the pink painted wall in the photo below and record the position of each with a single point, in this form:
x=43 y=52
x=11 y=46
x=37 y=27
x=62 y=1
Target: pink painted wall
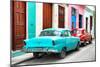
x=79 y=10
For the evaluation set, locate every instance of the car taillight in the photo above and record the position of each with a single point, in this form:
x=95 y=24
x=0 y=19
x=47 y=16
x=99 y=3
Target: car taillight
x=53 y=42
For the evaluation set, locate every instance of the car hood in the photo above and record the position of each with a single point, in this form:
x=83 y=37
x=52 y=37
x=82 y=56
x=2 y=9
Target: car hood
x=43 y=41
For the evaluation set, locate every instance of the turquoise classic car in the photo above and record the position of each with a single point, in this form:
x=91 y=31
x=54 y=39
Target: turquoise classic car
x=51 y=40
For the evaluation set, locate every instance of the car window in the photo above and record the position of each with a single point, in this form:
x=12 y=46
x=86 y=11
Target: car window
x=69 y=33
x=73 y=31
x=50 y=33
x=65 y=34
x=79 y=32
x=85 y=32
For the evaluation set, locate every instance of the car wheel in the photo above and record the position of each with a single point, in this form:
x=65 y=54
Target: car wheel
x=37 y=55
x=90 y=41
x=77 y=47
x=62 y=54
x=84 y=44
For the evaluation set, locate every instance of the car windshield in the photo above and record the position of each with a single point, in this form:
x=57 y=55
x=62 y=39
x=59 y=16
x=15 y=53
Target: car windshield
x=50 y=33
x=79 y=31
x=74 y=31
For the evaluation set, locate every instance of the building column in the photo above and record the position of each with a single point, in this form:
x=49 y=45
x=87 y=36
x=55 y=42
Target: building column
x=55 y=16
x=39 y=18
x=66 y=17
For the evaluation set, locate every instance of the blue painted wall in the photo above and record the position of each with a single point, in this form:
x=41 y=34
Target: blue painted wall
x=31 y=19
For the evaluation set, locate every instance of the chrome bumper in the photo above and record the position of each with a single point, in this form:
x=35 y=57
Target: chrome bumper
x=43 y=50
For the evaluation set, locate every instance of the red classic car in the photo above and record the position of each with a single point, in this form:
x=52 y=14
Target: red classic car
x=83 y=35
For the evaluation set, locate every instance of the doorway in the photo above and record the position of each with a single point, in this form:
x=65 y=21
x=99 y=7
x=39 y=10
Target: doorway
x=80 y=21
x=47 y=15
x=87 y=24
x=61 y=18
x=18 y=24
x=91 y=23
x=73 y=18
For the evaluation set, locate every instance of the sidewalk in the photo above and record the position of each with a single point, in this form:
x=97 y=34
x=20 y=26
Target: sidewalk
x=17 y=53
x=21 y=58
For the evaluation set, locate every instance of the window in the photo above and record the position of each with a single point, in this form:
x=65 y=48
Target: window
x=86 y=23
x=17 y=4
x=69 y=33
x=73 y=11
x=80 y=20
x=90 y=23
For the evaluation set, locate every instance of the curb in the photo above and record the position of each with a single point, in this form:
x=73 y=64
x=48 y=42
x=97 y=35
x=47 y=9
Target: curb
x=17 y=53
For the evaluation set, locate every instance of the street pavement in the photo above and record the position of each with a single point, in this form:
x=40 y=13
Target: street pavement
x=85 y=53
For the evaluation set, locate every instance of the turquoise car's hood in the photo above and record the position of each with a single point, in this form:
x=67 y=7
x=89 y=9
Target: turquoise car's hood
x=43 y=41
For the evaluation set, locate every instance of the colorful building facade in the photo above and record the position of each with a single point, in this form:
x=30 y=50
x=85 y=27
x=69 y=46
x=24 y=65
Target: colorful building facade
x=75 y=16
x=89 y=19
x=28 y=21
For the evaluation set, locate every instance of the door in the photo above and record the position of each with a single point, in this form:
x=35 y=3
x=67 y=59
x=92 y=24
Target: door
x=73 y=18
x=87 y=24
x=47 y=15
x=72 y=41
x=31 y=19
x=61 y=18
x=90 y=23
x=18 y=24
x=73 y=22
x=69 y=40
x=80 y=21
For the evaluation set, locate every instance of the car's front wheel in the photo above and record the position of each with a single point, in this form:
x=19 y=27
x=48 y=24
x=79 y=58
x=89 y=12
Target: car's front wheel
x=77 y=47
x=84 y=43
x=62 y=54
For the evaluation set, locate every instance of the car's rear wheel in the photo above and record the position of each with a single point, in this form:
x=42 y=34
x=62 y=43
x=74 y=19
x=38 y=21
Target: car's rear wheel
x=90 y=41
x=37 y=55
x=62 y=54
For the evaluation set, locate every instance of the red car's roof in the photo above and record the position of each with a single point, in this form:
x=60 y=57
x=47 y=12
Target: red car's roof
x=78 y=29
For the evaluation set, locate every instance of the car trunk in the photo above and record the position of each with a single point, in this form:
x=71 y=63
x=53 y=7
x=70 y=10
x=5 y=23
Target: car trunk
x=39 y=42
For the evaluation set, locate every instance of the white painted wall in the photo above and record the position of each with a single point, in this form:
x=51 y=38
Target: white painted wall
x=39 y=18
x=55 y=16
x=88 y=14
x=66 y=17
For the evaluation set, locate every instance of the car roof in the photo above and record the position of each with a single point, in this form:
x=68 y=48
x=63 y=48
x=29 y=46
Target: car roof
x=59 y=29
x=81 y=29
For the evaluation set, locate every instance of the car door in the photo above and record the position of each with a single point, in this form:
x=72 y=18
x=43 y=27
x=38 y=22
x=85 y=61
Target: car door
x=72 y=42
x=68 y=40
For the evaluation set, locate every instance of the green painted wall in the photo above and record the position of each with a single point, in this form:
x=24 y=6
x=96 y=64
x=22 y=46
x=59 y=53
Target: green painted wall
x=31 y=19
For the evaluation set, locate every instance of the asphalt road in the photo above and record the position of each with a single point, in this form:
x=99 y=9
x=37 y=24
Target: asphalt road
x=86 y=53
